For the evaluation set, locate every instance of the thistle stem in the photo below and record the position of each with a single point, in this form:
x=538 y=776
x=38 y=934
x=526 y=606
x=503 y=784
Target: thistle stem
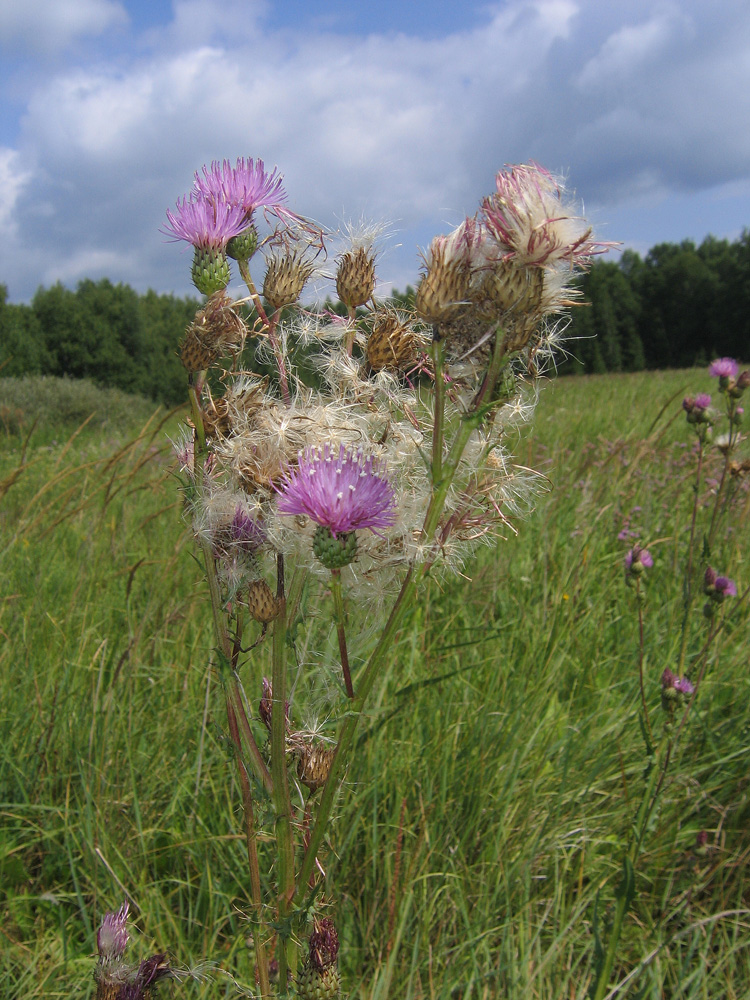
x=404 y=601
x=281 y=799
x=340 y=618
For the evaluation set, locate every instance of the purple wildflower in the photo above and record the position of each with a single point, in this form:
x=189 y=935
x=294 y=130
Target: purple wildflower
x=112 y=936
x=672 y=686
x=247 y=185
x=702 y=401
x=206 y=225
x=341 y=492
x=637 y=560
x=725 y=587
x=723 y=368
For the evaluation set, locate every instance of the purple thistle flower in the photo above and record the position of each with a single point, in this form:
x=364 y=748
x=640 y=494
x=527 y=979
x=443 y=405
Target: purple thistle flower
x=723 y=368
x=671 y=682
x=246 y=185
x=341 y=492
x=112 y=936
x=638 y=559
x=725 y=587
x=702 y=401
x=206 y=225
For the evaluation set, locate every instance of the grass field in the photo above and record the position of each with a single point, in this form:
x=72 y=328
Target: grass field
x=497 y=775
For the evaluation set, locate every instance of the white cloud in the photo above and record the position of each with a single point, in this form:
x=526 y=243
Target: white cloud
x=48 y=25
x=388 y=126
x=13 y=178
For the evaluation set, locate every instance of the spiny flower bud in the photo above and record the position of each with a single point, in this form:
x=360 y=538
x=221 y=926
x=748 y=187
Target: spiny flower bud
x=217 y=330
x=334 y=551
x=393 y=344
x=261 y=603
x=243 y=246
x=445 y=283
x=314 y=984
x=210 y=271
x=355 y=277
x=285 y=278
x=314 y=765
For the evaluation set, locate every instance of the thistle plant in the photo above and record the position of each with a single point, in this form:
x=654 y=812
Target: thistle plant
x=376 y=450
x=679 y=688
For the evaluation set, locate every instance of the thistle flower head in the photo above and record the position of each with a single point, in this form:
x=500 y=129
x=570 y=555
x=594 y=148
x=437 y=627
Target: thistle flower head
x=637 y=560
x=246 y=185
x=723 y=368
x=671 y=682
x=342 y=491
x=207 y=225
x=533 y=223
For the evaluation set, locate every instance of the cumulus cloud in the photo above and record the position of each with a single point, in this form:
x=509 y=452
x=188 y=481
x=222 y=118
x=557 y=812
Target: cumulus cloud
x=45 y=25
x=630 y=98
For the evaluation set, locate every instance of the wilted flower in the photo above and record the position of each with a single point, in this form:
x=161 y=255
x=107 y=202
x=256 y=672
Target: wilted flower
x=117 y=979
x=341 y=492
x=533 y=224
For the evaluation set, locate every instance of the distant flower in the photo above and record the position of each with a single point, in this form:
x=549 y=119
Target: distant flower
x=718 y=587
x=206 y=225
x=341 y=492
x=723 y=368
x=637 y=560
x=671 y=682
x=532 y=222
x=246 y=185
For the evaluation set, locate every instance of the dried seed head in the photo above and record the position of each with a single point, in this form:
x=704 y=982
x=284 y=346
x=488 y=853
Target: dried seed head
x=355 y=277
x=286 y=276
x=393 y=343
x=218 y=330
x=314 y=765
x=261 y=603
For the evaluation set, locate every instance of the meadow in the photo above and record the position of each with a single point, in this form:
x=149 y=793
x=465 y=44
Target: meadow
x=497 y=775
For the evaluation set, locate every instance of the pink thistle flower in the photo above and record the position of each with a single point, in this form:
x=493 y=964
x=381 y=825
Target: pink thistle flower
x=702 y=401
x=723 y=368
x=725 y=587
x=246 y=185
x=206 y=225
x=341 y=492
x=531 y=222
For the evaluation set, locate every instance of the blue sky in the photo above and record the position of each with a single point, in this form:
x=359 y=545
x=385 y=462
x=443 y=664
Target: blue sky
x=393 y=112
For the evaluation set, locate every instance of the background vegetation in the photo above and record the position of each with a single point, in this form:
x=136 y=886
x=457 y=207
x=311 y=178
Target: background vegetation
x=499 y=770
x=681 y=305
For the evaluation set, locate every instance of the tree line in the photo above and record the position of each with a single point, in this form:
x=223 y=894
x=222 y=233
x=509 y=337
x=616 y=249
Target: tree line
x=681 y=305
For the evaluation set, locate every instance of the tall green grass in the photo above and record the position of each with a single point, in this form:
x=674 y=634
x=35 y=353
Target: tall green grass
x=496 y=775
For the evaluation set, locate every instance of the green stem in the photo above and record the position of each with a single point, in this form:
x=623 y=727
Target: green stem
x=438 y=357
x=340 y=619
x=384 y=647
x=256 y=892
x=281 y=798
